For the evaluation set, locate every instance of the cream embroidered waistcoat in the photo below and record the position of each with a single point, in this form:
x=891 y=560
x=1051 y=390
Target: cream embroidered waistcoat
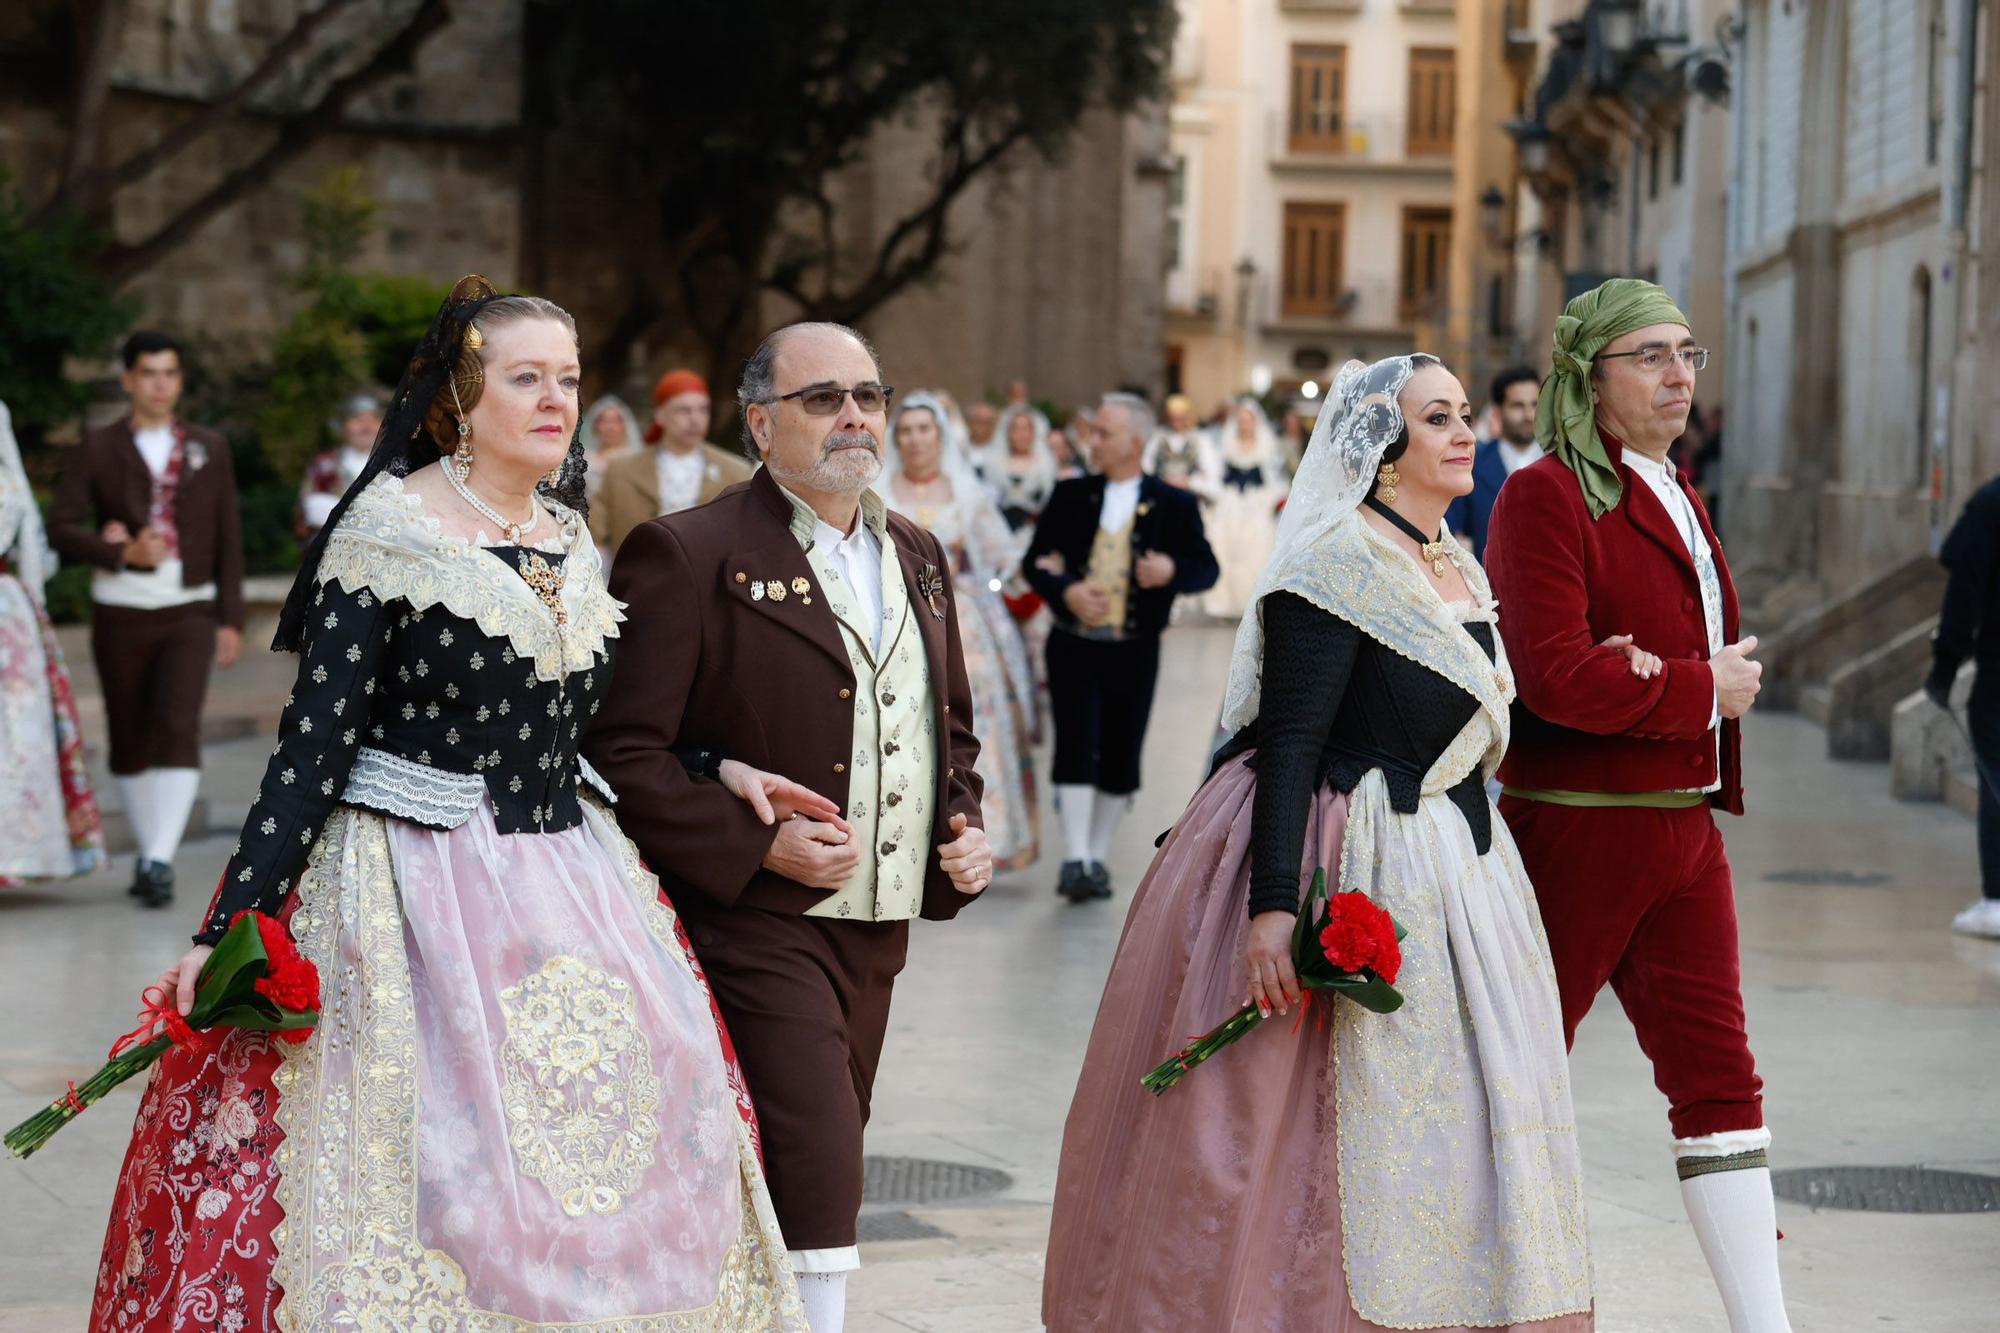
x=892 y=777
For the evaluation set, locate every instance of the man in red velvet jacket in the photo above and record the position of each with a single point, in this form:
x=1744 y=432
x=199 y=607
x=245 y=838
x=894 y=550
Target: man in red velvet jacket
x=1612 y=778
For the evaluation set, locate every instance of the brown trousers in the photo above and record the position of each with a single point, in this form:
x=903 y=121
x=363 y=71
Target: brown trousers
x=153 y=668
x=807 y=1002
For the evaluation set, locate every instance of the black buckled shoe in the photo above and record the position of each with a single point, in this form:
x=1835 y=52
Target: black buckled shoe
x=1073 y=882
x=1100 y=880
x=159 y=884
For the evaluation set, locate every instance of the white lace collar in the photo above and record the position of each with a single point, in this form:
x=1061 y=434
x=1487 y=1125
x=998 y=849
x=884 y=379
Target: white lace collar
x=390 y=544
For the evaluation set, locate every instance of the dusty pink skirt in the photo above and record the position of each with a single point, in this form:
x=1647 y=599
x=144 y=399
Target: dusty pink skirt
x=1217 y=1205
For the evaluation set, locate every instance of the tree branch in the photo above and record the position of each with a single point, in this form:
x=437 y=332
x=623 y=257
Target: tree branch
x=121 y=262
x=215 y=113
x=97 y=27
x=897 y=262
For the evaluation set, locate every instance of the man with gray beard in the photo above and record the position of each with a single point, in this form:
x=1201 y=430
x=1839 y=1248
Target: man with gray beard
x=796 y=626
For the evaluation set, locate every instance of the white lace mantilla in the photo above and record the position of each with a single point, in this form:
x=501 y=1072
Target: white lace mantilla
x=392 y=785
x=388 y=544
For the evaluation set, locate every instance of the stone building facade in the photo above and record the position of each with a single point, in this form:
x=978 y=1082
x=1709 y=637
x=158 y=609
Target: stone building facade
x=1313 y=208
x=1055 y=275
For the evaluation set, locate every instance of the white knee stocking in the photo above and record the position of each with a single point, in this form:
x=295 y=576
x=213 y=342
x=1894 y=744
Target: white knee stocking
x=825 y=1297
x=1728 y=1199
x=174 y=791
x=135 y=793
x=1075 y=802
x=1104 y=822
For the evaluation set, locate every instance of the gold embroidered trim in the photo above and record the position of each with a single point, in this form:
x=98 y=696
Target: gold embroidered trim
x=577 y=1076
x=389 y=545
x=347 y=1167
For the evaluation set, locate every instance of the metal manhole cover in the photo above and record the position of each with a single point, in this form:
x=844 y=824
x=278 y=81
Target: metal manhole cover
x=870 y=1227
x=1846 y=879
x=1888 y=1189
x=917 y=1180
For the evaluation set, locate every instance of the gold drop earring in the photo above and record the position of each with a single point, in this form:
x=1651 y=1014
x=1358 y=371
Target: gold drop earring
x=461 y=457
x=1387 y=480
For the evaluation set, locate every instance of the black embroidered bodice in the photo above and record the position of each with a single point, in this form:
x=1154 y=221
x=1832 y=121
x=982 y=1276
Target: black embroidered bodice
x=436 y=711
x=432 y=677
x=1335 y=704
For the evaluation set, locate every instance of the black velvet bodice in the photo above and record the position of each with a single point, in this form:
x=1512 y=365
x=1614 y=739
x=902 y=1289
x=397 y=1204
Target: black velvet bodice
x=446 y=711
x=1335 y=704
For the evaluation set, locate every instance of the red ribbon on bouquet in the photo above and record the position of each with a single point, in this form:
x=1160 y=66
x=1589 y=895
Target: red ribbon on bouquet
x=156 y=1010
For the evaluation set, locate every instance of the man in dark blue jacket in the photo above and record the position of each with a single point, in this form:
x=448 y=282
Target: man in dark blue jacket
x=1969 y=628
x=1517 y=391
x=1110 y=554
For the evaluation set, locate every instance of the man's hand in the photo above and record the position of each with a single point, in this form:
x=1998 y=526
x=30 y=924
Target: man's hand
x=1737 y=678
x=228 y=646
x=1154 y=569
x=773 y=797
x=1052 y=564
x=1937 y=687
x=1644 y=665
x=1087 y=602
x=816 y=854
x=115 y=533
x=967 y=858
x=148 y=550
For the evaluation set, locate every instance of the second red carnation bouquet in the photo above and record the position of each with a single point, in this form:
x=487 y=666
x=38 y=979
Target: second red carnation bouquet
x=1343 y=942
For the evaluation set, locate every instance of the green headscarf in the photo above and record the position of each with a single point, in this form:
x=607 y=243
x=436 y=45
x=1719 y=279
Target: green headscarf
x=1566 y=421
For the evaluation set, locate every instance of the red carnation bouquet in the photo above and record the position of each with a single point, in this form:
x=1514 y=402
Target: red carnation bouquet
x=1343 y=942
x=255 y=978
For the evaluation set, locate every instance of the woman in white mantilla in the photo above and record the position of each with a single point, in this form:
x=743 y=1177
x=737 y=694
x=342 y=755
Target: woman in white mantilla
x=927 y=477
x=1409 y=1170
x=1242 y=519
x=1018 y=467
x=518 y=1109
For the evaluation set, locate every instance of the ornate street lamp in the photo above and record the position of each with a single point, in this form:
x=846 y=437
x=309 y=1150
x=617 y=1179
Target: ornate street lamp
x=1618 y=25
x=1492 y=209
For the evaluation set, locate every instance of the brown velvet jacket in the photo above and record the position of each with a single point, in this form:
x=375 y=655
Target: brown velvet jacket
x=702 y=664
x=104 y=478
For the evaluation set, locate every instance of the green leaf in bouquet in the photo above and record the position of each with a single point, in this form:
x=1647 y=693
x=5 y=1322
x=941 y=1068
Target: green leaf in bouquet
x=229 y=978
x=1370 y=992
x=1305 y=930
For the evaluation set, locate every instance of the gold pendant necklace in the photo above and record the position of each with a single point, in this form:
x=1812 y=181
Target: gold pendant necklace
x=1434 y=552
x=547 y=582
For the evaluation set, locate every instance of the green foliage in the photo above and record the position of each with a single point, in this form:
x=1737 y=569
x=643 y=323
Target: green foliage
x=51 y=307
x=355 y=330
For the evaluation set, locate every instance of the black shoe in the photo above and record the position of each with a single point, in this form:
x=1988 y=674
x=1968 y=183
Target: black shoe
x=1100 y=880
x=159 y=885
x=1073 y=882
x=141 y=882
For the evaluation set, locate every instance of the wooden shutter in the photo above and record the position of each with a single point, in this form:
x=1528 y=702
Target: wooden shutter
x=1315 y=240
x=1433 y=101
x=1426 y=261
x=1318 y=122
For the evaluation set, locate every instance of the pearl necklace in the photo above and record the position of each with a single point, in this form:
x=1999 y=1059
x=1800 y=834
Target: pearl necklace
x=514 y=533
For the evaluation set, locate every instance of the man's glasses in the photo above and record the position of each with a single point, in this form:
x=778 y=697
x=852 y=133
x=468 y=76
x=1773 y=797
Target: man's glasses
x=1654 y=359
x=823 y=400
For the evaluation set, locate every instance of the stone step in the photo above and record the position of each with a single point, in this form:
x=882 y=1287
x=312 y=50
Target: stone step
x=1816 y=702
x=1961 y=791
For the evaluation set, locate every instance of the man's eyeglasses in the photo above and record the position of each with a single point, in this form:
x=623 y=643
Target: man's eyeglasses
x=1654 y=359
x=823 y=400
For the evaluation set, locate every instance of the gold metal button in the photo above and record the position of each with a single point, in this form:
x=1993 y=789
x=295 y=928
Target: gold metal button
x=840 y=768
x=741 y=577
x=847 y=694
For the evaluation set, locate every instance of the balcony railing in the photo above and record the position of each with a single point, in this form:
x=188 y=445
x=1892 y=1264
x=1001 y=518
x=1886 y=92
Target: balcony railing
x=1321 y=6
x=1368 y=140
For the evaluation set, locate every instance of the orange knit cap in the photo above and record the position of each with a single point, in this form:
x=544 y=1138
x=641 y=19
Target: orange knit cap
x=677 y=382
x=672 y=385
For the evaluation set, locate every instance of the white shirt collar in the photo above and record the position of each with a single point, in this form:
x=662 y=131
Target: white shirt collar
x=1657 y=472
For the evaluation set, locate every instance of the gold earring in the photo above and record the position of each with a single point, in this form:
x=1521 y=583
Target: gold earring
x=461 y=457
x=1387 y=480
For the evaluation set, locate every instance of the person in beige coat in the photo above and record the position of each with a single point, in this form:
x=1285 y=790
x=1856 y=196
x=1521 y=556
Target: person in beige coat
x=680 y=470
